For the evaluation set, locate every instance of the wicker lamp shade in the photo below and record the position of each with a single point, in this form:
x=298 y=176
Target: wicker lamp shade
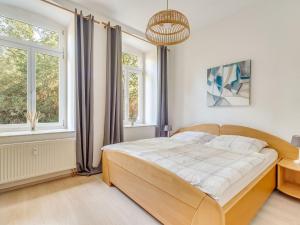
x=168 y=27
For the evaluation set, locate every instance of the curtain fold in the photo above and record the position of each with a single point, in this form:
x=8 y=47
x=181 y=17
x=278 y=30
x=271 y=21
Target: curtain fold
x=113 y=128
x=162 y=114
x=84 y=35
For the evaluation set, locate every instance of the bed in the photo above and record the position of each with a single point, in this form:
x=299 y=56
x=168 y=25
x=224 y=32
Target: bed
x=173 y=200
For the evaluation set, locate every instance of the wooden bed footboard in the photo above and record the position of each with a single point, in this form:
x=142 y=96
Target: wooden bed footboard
x=164 y=195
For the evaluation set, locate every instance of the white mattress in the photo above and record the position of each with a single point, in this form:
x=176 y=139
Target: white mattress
x=271 y=156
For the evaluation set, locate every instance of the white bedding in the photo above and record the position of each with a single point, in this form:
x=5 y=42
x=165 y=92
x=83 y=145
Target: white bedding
x=271 y=156
x=146 y=145
x=153 y=144
x=214 y=171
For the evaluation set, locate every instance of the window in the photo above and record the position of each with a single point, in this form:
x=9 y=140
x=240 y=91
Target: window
x=13 y=85
x=31 y=74
x=23 y=31
x=47 y=87
x=133 y=83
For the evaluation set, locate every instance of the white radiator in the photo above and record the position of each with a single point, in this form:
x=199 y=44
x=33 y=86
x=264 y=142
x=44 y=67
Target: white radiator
x=25 y=160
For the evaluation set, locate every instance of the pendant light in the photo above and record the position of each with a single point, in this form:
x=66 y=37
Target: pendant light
x=168 y=27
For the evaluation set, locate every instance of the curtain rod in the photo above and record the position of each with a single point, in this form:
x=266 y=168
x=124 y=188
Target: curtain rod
x=95 y=21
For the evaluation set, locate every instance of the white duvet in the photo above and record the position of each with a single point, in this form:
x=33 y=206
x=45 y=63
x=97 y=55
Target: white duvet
x=211 y=170
x=146 y=145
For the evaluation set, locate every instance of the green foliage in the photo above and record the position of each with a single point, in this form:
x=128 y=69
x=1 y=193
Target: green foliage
x=24 y=31
x=133 y=88
x=47 y=78
x=129 y=59
x=13 y=85
x=13 y=74
x=133 y=84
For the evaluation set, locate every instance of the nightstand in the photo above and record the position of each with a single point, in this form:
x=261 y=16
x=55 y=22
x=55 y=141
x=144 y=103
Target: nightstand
x=288 y=180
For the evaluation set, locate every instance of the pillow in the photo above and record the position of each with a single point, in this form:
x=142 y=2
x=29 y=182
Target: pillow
x=237 y=144
x=193 y=137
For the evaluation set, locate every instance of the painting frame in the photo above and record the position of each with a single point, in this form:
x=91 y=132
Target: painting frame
x=229 y=85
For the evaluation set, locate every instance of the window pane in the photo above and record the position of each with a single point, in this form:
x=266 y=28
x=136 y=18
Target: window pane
x=24 y=31
x=133 y=92
x=13 y=85
x=130 y=60
x=47 y=87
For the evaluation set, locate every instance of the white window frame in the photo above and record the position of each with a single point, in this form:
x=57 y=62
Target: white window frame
x=32 y=48
x=141 y=89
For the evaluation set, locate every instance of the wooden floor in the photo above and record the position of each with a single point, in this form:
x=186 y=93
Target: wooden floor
x=88 y=201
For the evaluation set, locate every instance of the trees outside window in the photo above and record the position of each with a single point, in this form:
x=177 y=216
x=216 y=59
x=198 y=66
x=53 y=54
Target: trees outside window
x=13 y=28
x=31 y=62
x=47 y=87
x=133 y=87
x=13 y=85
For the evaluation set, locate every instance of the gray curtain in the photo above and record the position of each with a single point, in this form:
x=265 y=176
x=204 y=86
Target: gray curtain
x=113 y=130
x=162 y=114
x=84 y=34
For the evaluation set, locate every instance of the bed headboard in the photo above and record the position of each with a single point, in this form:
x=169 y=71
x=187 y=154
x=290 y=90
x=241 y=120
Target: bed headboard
x=209 y=128
x=284 y=148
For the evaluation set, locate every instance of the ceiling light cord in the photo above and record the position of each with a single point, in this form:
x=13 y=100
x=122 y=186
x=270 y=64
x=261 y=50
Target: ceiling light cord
x=167 y=4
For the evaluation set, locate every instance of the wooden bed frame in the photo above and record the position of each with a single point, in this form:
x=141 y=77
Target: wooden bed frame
x=175 y=202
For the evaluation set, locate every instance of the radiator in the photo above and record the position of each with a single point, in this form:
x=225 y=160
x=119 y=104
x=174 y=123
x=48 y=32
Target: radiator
x=26 y=160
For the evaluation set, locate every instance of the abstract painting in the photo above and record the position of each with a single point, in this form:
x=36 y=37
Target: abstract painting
x=229 y=85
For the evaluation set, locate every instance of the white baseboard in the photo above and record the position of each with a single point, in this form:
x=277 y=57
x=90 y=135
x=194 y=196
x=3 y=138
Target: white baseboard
x=36 y=180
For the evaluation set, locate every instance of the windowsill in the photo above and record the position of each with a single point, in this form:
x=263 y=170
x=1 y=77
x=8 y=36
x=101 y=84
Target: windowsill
x=38 y=135
x=139 y=125
x=36 y=132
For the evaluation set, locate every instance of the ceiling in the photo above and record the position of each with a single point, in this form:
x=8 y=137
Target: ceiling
x=36 y=6
x=135 y=13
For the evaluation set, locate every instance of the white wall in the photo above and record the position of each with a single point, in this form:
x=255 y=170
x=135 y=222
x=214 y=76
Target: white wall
x=151 y=87
x=99 y=89
x=70 y=76
x=138 y=132
x=268 y=34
